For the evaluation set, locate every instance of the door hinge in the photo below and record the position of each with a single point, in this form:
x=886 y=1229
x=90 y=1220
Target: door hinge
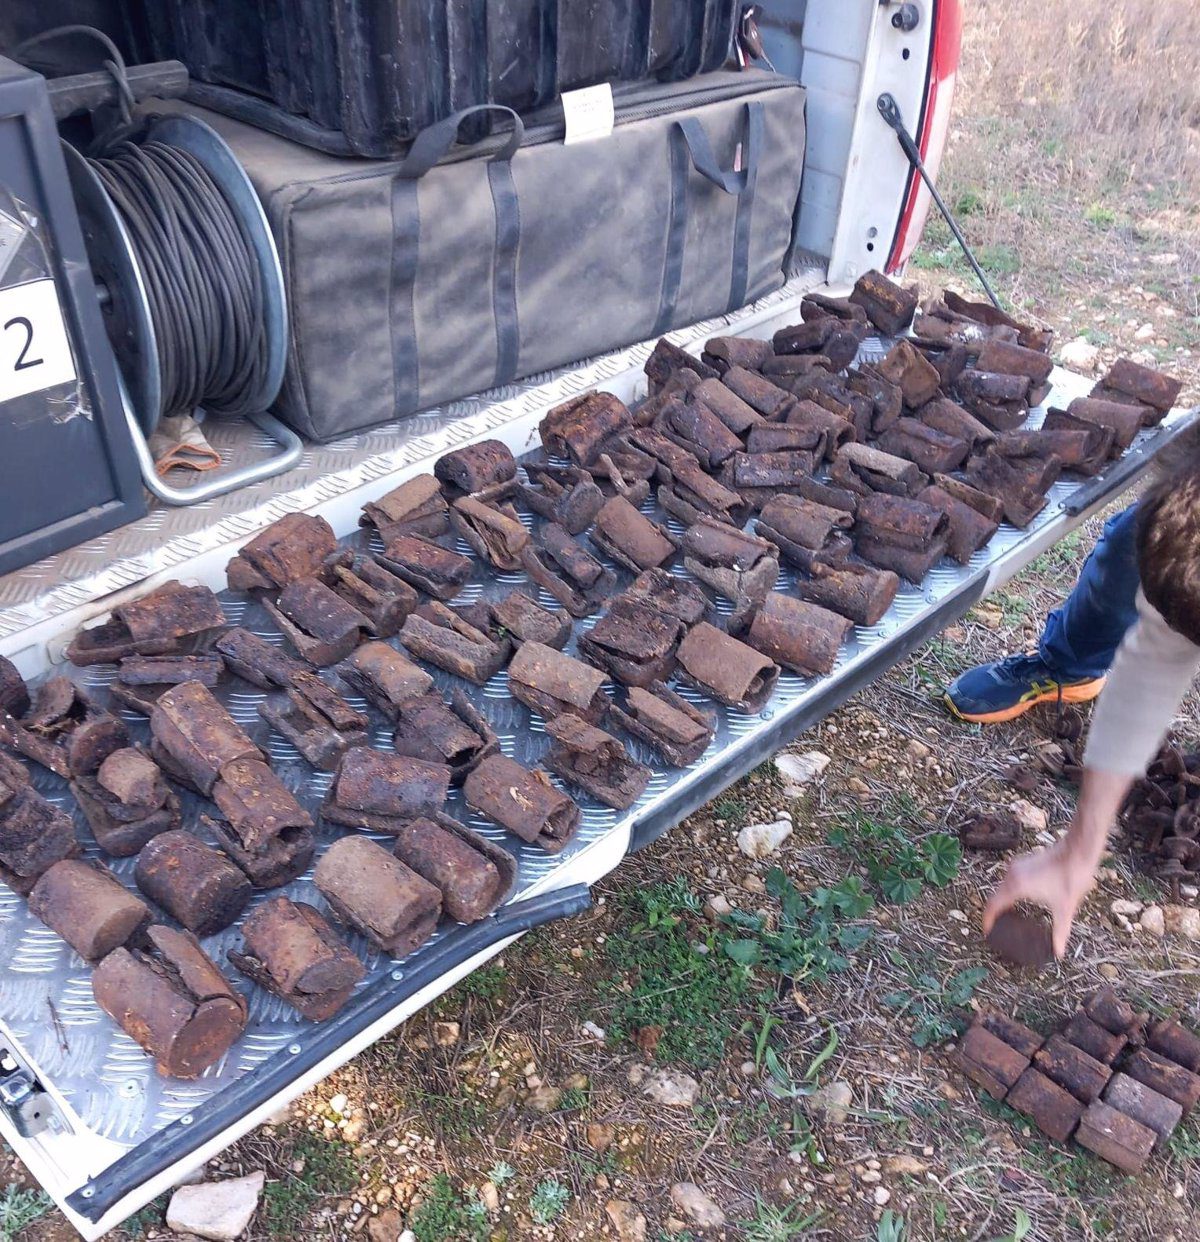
x=22 y=1097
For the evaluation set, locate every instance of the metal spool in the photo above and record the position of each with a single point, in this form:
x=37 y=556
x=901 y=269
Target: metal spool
x=119 y=275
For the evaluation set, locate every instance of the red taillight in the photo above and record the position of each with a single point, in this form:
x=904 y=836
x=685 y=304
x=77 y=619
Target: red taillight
x=933 y=128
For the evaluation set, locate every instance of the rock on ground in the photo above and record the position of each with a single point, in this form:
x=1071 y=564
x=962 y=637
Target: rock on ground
x=1153 y=921
x=833 y=1100
x=689 y=1199
x=1030 y=817
x=1182 y=921
x=1079 y=354
x=544 y=1099
x=759 y=840
x=797 y=771
x=629 y=1223
x=672 y=1088
x=217 y=1210
x=386 y=1227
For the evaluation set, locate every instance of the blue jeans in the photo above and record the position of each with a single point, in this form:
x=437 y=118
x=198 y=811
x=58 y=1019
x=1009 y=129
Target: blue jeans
x=1081 y=636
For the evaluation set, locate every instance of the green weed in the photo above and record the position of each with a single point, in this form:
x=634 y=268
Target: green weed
x=928 y=1000
x=1101 y=216
x=892 y=1227
x=778 y=1224
x=445 y=1214
x=450 y=1116
x=898 y=866
x=1022 y=1225
x=485 y=984
x=20 y=1207
x=501 y=1173
x=970 y=202
x=327 y=1168
x=548 y=1201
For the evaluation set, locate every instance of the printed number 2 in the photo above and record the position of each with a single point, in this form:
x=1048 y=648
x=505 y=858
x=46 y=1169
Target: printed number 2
x=23 y=363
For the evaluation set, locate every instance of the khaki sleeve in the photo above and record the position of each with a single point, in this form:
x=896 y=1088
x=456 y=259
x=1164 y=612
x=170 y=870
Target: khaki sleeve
x=1152 y=671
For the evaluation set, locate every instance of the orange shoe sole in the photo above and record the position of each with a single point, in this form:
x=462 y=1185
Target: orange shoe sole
x=1079 y=692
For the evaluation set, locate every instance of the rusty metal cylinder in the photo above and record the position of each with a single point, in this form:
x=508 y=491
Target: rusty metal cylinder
x=87 y=906
x=194 y=883
x=474 y=875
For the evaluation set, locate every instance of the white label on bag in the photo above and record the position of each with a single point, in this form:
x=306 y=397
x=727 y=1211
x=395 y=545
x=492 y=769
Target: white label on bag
x=589 y=113
x=34 y=350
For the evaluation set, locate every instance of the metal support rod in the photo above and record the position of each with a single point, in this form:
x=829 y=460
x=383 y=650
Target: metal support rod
x=889 y=109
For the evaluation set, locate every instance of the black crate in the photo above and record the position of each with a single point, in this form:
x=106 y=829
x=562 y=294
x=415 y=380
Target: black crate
x=363 y=77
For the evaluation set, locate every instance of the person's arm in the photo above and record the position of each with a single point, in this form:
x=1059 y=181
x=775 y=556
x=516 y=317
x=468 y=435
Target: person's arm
x=1151 y=673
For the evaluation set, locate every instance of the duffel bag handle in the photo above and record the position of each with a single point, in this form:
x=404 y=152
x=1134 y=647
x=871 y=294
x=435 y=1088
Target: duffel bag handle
x=706 y=163
x=434 y=142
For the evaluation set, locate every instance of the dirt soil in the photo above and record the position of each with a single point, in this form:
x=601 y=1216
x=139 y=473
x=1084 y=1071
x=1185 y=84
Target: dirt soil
x=804 y=1036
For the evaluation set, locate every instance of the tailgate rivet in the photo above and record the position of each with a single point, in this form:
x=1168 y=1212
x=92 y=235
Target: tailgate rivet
x=397 y=975
x=294 y=1049
x=186 y=1119
x=88 y=1192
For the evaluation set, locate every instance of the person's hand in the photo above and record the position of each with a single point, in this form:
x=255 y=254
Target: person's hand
x=1057 y=879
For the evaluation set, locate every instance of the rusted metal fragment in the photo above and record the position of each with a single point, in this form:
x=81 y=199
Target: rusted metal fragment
x=630 y=538
x=566 y=495
x=196 y=736
x=741 y=398
x=289 y=948
x=736 y=564
x=167 y=994
x=726 y=669
x=933 y=450
x=597 y=762
x=623 y=465
x=1074 y=448
x=321 y=625
x=1111 y=1012
x=1101 y=443
x=1171 y=1039
x=675 y=729
x=93 y=741
x=968 y=529
x=454 y=734
x=383 y=676
x=989 y=1062
x=899 y=522
x=1022 y=937
x=1015 y=1034
x=579 y=428
x=378 y=792
x=525 y=620
x=382 y=596
x=1054 y=1111
x=668 y=456
x=163 y=622
x=194 y=883
x=757 y=477
x=887 y=399
x=672 y=596
x=316 y=720
x=788 y=438
x=550 y=682
x=169 y=670
x=982 y=502
x=14 y=694
x=785 y=367
x=522 y=801
x=833 y=431
x=693 y=426
x=443 y=637
x=34 y=833
x=257 y=803
x=496 y=534
x=841 y=347
x=290 y=549
x=475 y=468
x=992 y=833
x=1120 y=1140
x=832 y=394
x=1092 y=1038
x=948 y=363
x=936 y=327
x=1007 y=358
x=257 y=661
x=806 y=532
x=992 y=473
x=123 y=795
x=1144 y=1105
x=799 y=636
x=911 y=372
x=723 y=352
x=665 y=359
x=863 y=470
x=803 y=338
x=1162 y=1075
x=279 y=860
x=633 y=642
x=63 y=708
x=87 y=906
x=1127 y=380
x=859 y=592
x=889 y=306
x=1125 y=421
x=1072 y=1068
x=376 y=894
x=416 y=507
x=567 y=571
x=692 y=494
x=1029 y=335
x=822 y=306
x=426 y=565
x=997 y=399
x=473 y=874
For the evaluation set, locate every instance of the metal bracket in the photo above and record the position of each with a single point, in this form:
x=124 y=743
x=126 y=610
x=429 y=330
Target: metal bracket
x=22 y=1097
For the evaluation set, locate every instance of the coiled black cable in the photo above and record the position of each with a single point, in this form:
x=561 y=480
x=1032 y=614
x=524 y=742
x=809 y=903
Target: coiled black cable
x=202 y=280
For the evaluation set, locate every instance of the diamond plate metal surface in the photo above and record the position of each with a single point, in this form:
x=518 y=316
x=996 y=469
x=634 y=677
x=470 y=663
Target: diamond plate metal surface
x=169 y=537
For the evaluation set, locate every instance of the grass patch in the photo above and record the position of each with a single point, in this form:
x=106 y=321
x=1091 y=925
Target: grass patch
x=898 y=866
x=446 y=1214
x=19 y=1208
x=548 y=1201
x=929 y=1001
x=486 y=984
x=327 y=1169
x=455 y=1117
x=771 y=1223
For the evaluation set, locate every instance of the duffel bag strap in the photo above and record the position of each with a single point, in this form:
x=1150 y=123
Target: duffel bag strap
x=429 y=147
x=690 y=148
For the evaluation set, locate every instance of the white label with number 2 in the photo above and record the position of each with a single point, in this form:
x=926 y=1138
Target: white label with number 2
x=34 y=350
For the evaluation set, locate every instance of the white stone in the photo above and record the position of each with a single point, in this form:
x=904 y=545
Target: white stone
x=689 y=1199
x=717 y=907
x=490 y=1197
x=1079 y=354
x=1153 y=921
x=1031 y=818
x=445 y=1034
x=339 y=1104
x=1183 y=921
x=594 y=1032
x=1145 y=333
x=760 y=840
x=882 y=1195
x=798 y=771
x=217 y=1210
x=672 y=1088
x=833 y=1100
x=629 y=1223
x=1126 y=908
